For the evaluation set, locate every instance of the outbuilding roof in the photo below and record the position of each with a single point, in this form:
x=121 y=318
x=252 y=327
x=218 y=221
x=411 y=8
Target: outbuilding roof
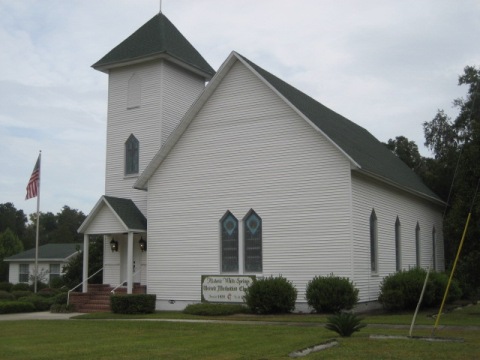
x=53 y=252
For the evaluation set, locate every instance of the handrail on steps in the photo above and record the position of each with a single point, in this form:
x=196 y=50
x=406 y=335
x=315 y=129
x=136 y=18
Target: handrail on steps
x=69 y=291
x=123 y=282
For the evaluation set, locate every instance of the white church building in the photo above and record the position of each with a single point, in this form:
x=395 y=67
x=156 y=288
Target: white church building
x=236 y=174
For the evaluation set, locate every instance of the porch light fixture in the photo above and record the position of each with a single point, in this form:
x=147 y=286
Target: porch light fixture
x=114 y=245
x=143 y=244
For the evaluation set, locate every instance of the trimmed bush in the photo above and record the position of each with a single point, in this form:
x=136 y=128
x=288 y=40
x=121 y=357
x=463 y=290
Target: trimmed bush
x=21 y=293
x=62 y=308
x=344 y=323
x=331 y=294
x=21 y=287
x=133 y=303
x=401 y=291
x=6 y=286
x=11 y=307
x=57 y=282
x=209 y=309
x=48 y=292
x=61 y=298
x=6 y=296
x=273 y=295
x=39 y=302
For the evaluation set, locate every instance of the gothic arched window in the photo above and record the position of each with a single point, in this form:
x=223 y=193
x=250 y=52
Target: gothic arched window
x=132 y=149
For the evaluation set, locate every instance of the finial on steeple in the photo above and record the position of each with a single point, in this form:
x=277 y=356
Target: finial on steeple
x=160 y=7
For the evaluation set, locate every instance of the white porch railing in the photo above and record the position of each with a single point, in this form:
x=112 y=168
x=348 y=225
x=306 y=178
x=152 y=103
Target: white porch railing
x=69 y=291
x=123 y=282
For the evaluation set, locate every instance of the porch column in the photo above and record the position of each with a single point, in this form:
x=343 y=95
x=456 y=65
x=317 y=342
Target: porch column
x=85 y=263
x=130 y=263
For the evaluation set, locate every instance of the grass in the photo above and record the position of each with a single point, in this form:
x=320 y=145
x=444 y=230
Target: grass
x=124 y=339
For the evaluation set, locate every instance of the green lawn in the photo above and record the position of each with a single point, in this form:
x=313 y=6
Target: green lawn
x=146 y=339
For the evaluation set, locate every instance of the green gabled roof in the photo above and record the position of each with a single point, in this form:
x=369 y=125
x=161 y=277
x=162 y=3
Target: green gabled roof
x=128 y=212
x=48 y=251
x=361 y=146
x=155 y=38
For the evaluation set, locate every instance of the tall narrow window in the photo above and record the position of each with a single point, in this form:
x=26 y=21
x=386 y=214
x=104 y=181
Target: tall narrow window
x=417 y=244
x=23 y=273
x=373 y=242
x=134 y=92
x=54 y=271
x=398 y=246
x=131 y=155
x=253 y=242
x=229 y=231
x=434 y=248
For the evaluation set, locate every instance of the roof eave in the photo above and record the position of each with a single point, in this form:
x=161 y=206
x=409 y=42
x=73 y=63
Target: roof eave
x=106 y=67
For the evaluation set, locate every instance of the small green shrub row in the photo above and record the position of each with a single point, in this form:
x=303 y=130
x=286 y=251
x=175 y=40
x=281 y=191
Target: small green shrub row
x=272 y=295
x=401 y=291
x=39 y=302
x=62 y=308
x=133 y=303
x=210 y=309
x=6 y=296
x=331 y=294
x=11 y=307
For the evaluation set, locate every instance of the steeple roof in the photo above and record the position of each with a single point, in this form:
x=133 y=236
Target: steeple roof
x=158 y=38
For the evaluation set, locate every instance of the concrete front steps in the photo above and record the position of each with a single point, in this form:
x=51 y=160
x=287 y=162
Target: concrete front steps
x=97 y=299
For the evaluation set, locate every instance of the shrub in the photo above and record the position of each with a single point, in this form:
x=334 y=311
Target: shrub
x=468 y=275
x=21 y=293
x=209 y=309
x=57 y=282
x=39 y=302
x=271 y=295
x=61 y=298
x=344 y=323
x=133 y=303
x=331 y=294
x=21 y=287
x=10 y=307
x=62 y=308
x=48 y=292
x=6 y=296
x=6 y=286
x=401 y=291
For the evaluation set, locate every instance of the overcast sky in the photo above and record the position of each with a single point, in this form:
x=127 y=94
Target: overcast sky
x=386 y=65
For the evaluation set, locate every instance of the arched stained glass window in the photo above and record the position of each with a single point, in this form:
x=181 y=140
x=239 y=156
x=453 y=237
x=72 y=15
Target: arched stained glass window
x=417 y=243
x=132 y=149
x=253 y=242
x=229 y=231
x=398 y=246
x=373 y=242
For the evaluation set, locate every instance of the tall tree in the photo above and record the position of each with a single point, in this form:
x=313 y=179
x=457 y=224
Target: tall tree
x=456 y=146
x=10 y=245
x=13 y=219
x=407 y=151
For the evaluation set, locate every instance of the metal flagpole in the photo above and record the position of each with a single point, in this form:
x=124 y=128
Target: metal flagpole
x=38 y=221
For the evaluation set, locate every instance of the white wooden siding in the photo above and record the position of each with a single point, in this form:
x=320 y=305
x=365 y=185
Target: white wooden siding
x=248 y=149
x=167 y=91
x=389 y=203
x=43 y=268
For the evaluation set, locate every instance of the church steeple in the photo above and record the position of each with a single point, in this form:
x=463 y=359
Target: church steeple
x=156 y=39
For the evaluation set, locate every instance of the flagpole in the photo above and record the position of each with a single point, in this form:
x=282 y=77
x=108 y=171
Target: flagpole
x=38 y=223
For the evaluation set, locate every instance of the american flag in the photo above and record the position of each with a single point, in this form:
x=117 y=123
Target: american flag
x=34 y=182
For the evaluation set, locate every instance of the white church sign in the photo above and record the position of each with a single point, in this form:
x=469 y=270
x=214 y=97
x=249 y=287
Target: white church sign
x=225 y=289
